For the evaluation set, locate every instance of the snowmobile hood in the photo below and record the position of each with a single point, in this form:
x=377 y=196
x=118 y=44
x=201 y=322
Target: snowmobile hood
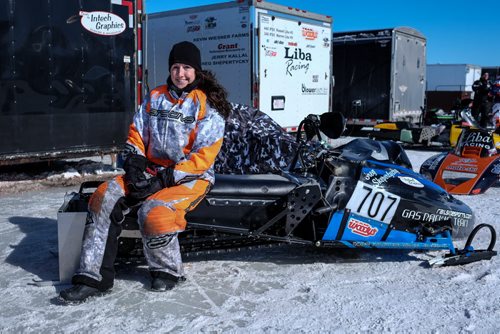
x=471 y=168
x=397 y=198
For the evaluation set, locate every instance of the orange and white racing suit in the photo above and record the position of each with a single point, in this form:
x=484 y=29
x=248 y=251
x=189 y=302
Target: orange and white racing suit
x=182 y=132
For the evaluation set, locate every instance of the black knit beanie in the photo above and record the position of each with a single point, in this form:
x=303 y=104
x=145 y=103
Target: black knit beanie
x=185 y=53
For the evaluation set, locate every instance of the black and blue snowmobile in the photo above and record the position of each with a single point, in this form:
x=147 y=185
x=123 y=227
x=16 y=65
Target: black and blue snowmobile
x=363 y=194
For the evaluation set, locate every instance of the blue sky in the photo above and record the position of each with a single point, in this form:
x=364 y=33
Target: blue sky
x=457 y=31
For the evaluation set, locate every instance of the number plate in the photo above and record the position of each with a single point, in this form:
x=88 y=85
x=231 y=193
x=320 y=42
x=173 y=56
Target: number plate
x=374 y=203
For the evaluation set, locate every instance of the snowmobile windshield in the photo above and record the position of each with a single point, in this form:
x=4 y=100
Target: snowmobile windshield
x=476 y=143
x=385 y=151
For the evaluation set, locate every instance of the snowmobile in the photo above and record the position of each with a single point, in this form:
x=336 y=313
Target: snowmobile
x=362 y=194
x=473 y=166
x=433 y=130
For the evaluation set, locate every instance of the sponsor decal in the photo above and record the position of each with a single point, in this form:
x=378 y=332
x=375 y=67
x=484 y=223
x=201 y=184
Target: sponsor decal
x=372 y=176
x=478 y=140
x=171 y=114
x=314 y=91
x=102 y=23
x=292 y=43
x=432 y=164
x=158 y=242
x=193 y=28
x=462 y=168
x=297 y=54
x=453 y=213
x=278 y=42
x=309 y=34
x=269 y=52
x=458 y=218
x=361 y=228
x=452 y=175
x=227 y=46
x=295 y=60
x=310 y=46
x=191 y=22
x=219 y=37
x=315 y=78
x=411 y=181
x=210 y=22
x=467 y=161
x=496 y=169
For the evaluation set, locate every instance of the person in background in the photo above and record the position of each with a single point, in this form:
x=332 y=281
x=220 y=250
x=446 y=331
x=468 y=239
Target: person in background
x=480 y=105
x=495 y=96
x=172 y=144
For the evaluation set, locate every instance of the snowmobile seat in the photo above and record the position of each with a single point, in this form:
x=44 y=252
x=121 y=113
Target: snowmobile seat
x=254 y=186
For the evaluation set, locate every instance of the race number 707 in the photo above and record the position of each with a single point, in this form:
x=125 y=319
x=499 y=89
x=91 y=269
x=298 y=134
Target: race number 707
x=374 y=203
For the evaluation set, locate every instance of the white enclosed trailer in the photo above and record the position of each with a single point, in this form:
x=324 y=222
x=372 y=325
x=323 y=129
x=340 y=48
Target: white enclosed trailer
x=272 y=57
x=452 y=77
x=449 y=83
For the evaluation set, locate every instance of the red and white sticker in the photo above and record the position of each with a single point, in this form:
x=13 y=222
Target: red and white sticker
x=361 y=228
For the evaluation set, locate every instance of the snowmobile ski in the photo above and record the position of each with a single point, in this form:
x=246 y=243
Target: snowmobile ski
x=468 y=254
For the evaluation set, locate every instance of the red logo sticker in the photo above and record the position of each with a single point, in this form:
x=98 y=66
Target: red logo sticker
x=361 y=228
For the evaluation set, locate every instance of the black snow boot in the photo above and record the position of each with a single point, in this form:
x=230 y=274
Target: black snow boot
x=78 y=293
x=162 y=282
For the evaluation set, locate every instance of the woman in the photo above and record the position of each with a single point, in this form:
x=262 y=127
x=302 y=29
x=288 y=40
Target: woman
x=172 y=144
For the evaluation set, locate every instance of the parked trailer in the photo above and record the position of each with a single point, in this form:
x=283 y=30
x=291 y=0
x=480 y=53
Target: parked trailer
x=70 y=77
x=273 y=57
x=447 y=84
x=379 y=75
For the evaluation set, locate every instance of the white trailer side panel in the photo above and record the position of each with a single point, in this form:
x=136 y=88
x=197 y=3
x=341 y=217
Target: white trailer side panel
x=293 y=68
x=452 y=77
x=221 y=33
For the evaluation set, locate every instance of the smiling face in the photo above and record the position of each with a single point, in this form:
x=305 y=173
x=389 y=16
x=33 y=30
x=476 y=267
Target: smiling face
x=182 y=75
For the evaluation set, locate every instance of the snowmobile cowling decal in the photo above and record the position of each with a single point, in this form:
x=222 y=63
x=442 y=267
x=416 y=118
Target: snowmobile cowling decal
x=373 y=203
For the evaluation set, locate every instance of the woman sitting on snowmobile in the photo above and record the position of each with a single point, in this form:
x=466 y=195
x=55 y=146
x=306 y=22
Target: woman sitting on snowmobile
x=172 y=144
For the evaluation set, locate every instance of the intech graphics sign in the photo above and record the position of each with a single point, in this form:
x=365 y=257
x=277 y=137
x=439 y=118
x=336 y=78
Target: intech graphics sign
x=102 y=23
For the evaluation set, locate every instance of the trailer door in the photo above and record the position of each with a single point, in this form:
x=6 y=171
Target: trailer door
x=293 y=67
x=408 y=81
x=67 y=83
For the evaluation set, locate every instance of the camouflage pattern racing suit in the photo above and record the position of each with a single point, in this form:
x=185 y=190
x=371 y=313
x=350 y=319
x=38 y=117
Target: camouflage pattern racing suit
x=180 y=132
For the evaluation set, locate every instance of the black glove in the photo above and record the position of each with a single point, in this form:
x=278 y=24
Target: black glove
x=134 y=168
x=144 y=188
x=166 y=177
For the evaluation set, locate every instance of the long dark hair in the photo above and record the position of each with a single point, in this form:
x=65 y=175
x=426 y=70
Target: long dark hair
x=216 y=94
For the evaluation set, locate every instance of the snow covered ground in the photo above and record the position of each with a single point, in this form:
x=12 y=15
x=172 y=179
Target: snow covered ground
x=286 y=289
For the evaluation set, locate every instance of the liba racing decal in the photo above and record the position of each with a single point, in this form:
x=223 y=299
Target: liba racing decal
x=373 y=202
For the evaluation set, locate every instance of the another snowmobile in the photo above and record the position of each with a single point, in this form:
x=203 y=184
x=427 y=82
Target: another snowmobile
x=360 y=195
x=438 y=129
x=473 y=166
x=433 y=130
